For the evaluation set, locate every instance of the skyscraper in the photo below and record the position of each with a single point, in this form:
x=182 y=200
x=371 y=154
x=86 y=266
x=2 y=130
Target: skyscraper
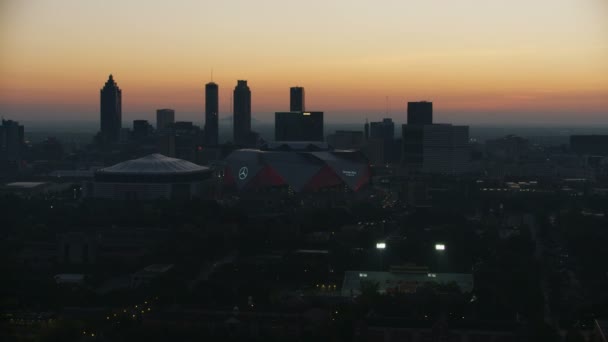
x=164 y=118
x=211 y=114
x=12 y=141
x=141 y=129
x=110 y=111
x=296 y=99
x=420 y=113
x=436 y=148
x=242 y=113
x=384 y=129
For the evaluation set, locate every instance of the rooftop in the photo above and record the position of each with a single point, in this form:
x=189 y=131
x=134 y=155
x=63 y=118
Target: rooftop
x=154 y=164
x=25 y=185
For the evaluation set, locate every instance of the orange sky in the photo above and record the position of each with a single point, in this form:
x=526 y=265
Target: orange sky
x=479 y=61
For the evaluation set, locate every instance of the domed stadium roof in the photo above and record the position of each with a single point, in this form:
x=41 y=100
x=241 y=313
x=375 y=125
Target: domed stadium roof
x=302 y=171
x=154 y=164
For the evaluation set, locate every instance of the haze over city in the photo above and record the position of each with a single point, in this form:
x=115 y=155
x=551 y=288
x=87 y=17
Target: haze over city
x=481 y=62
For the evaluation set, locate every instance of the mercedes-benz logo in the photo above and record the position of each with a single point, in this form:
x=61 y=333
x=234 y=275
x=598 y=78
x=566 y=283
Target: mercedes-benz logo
x=243 y=172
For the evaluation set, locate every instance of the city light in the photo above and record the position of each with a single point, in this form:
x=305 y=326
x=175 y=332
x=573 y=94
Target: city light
x=380 y=245
x=440 y=247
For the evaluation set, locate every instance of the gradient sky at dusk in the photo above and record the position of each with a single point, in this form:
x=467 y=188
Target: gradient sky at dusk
x=479 y=61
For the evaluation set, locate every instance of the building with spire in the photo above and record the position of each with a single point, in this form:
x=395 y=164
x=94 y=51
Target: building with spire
x=110 y=111
x=211 y=114
x=242 y=114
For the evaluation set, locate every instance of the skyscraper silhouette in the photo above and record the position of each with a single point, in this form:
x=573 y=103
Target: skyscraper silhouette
x=420 y=113
x=211 y=114
x=296 y=99
x=110 y=111
x=164 y=118
x=242 y=113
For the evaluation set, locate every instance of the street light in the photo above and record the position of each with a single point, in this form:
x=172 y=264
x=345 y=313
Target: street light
x=380 y=245
x=439 y=247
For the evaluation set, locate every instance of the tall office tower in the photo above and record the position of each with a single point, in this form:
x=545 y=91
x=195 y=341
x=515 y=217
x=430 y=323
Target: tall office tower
x=366 y=130
x=296 y=99
x=420 y=113
x=436 y=149
x=12 y=140
x=211 y=114
x=298 y=126
x=384 y=129
x=141 y=129
x=110 y=111
x=242 y=114
x=164 y=118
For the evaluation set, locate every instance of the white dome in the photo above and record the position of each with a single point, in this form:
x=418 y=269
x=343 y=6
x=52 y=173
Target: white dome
x=154 y=164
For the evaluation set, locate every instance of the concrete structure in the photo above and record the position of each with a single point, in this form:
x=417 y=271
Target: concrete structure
x=242 y=114
x=211 y=114
x=297 y=100
x=153 y=177
x=110 y=111
x=164 y=118
x=420 y=113
x=28 y=189
x=141 y=130
x=436 y=149
x=384 y=129
x=346 y=140
x=12 y=141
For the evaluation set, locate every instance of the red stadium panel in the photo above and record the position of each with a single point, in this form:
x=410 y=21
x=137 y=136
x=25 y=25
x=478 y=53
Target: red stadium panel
x=265 y=178
x=229 y=179
x=363 y=179
x=326 y=177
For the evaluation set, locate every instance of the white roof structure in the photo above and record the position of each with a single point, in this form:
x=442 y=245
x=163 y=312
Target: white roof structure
x=25 y=185
x=154 y=164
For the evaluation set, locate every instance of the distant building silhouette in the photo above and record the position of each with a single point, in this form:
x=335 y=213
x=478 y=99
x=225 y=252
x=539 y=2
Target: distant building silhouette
x=12 y=142
x=298 y=126
x=296 y=99
x=589 y=144
x=366 y=130
x=110 y=111
x=384 y=129
x=141 y=129
x=436 y=149
x=380 y=147
x=164 y=117
x=420 y=113
x=211 y=114
x=346 y=140
x=242 y=114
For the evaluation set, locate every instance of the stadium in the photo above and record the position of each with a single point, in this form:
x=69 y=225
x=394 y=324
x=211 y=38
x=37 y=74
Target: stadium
x=297 y=171
x=153 y=177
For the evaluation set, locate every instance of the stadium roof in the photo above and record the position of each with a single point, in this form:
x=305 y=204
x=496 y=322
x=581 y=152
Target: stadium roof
x=154 y=164
x=300 y=170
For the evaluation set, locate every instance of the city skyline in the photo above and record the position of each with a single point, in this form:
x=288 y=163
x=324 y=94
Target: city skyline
x=480 y=61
